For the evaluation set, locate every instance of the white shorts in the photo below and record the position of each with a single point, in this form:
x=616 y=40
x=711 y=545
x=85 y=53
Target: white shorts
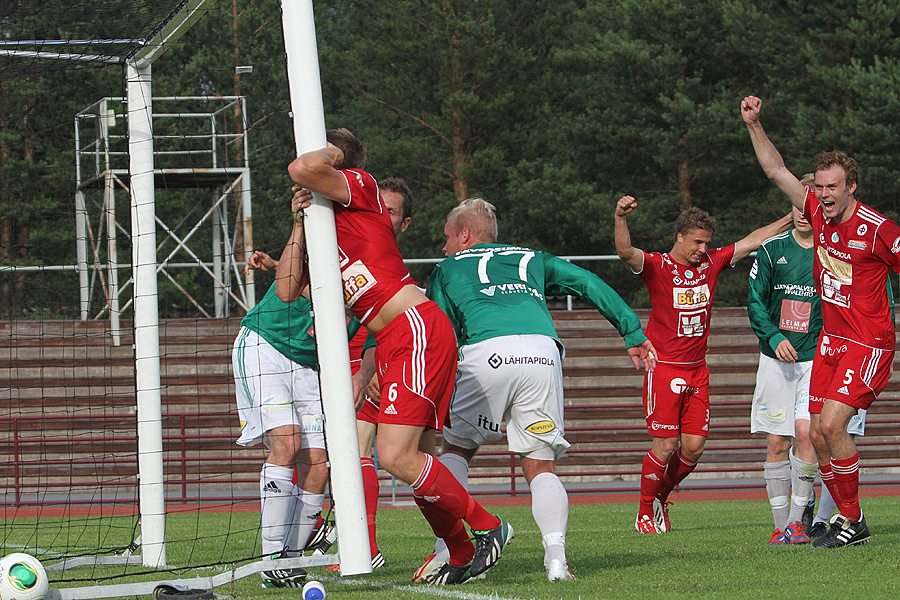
x=516 y=378
x=272 y=391
x=782 y=391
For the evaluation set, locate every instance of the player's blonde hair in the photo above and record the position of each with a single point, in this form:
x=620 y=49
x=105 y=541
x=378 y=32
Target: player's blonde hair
x=826 y=160
x=478 y=215
x=808 y=180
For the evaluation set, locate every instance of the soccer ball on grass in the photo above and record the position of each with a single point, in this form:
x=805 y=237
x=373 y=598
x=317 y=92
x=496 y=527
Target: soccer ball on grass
x=22 y=577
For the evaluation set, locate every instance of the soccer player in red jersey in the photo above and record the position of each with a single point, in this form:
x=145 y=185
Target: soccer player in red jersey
x=856 y=248
x=682 y=284
x=416 y=352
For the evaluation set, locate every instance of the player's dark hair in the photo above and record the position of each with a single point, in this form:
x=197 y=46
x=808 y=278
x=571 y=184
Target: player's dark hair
x=398 y=186
x=826 y=160
x=694 y=218
x=478 y=215
x=353 y=149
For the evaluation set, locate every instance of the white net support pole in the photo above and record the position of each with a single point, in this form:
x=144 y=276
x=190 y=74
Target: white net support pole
x=146 y=315
x=327 y=295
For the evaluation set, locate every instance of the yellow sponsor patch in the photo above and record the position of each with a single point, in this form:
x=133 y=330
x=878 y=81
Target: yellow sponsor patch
x=541 y=427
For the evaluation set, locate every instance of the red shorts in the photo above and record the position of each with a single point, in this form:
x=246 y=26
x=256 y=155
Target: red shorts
x=851 y=373
x=369 y=411
x=676 y=400
x=416 y=360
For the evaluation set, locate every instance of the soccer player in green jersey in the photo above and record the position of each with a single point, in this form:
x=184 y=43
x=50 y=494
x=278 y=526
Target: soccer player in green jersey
x=277 y=388
x=785 y=313
x=510 y=361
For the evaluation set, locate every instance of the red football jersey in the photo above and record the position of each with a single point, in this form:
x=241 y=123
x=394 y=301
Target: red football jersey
x=853 y=259
x=681 y=298
x=371 y=266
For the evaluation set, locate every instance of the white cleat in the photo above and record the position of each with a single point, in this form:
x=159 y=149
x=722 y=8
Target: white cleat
x=428 y=572
x=557 y=570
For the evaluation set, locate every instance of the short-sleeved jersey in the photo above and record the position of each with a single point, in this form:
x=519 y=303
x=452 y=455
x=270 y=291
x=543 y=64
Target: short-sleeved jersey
x=371 y=267
x=494 y=290
x=782 y=302
x=853 y=259
x=288 y=327
x=681 y=297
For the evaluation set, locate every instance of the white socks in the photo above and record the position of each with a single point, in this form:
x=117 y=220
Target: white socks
x=306 y=515
x=778 y=487
x=276 y=492
x=550 y=508
x=803 y=476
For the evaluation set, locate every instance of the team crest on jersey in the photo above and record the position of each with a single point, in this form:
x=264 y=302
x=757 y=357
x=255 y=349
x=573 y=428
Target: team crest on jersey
x=689 y=274
x=835 y=238
x=895 y=247
x=862 y=229
x=357 y=281
x=692 y=297
x=858 y=244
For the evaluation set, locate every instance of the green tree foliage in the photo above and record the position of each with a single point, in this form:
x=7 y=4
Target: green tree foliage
x=550 y=110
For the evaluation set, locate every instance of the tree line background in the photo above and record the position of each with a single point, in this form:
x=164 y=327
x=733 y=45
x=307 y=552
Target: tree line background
x=549 y=110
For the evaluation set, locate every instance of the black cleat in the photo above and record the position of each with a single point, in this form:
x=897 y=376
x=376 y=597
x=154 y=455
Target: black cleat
x=489 y=546
x=808 y=514
x=844 y=532
x=451 y=575
x=818 y=530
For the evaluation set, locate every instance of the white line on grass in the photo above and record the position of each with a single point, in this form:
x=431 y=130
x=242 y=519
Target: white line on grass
x=442 y=592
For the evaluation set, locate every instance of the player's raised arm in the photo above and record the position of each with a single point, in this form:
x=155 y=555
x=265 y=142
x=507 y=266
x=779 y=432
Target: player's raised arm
x=769 y=157
x=317 y=171
x=290 y=274
x=632 y=256
x=754 y=240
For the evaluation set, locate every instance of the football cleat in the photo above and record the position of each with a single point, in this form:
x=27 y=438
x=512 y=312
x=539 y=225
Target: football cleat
x=557 y=570
x=489 y=547
x=283 y=578
x=433 y=563
x=644 y=524
x=661 y=515
x=817 y=530
x=796 y=535
x=844 y=532
x=809 y=513
x=451 y=575
x=321 y=539
x=779 y=539
x=378 y=560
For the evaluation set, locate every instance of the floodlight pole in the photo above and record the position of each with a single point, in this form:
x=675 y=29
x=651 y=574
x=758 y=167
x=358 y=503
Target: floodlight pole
x=146 y=314
x=327 y=295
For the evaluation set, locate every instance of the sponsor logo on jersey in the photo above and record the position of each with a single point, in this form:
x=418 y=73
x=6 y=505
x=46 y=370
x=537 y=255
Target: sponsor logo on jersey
x=540 y=427
x=832 y=290
x=795 y=315
x=858 y=244
x=835 y=238
x=895 y=247
x=862 y=229
x=655 y=426
x=844 y=391
x=690 y=297
x=689 y=274
x=778 y=416
x=827 y=350
x=703 y=267
x=781 y=261
x=487 y=424
x=357 y=281
x=692 y=324
x=390 y=410
x=510 y=288
x=495 y=361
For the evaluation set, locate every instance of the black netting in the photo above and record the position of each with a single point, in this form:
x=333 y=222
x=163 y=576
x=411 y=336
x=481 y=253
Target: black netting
x=36 y=35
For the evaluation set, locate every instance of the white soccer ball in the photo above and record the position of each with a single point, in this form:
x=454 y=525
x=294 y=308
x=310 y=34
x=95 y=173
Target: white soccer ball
x=22 y=577
x=313 y=590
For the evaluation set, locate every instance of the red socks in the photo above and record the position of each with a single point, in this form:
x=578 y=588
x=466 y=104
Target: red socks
x=651 y=475
x=370 y=489
x=846 y=480
x=437 y=485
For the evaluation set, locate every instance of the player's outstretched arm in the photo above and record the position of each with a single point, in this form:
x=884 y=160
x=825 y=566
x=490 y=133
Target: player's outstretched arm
x=769 y=157
x=632 y=256
x=318 y=171
x=753 y=241
x=290 y=274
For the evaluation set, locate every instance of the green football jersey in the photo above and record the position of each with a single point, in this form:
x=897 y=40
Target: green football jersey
x=782 y=302
x=493 y=290
x=288 y=326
